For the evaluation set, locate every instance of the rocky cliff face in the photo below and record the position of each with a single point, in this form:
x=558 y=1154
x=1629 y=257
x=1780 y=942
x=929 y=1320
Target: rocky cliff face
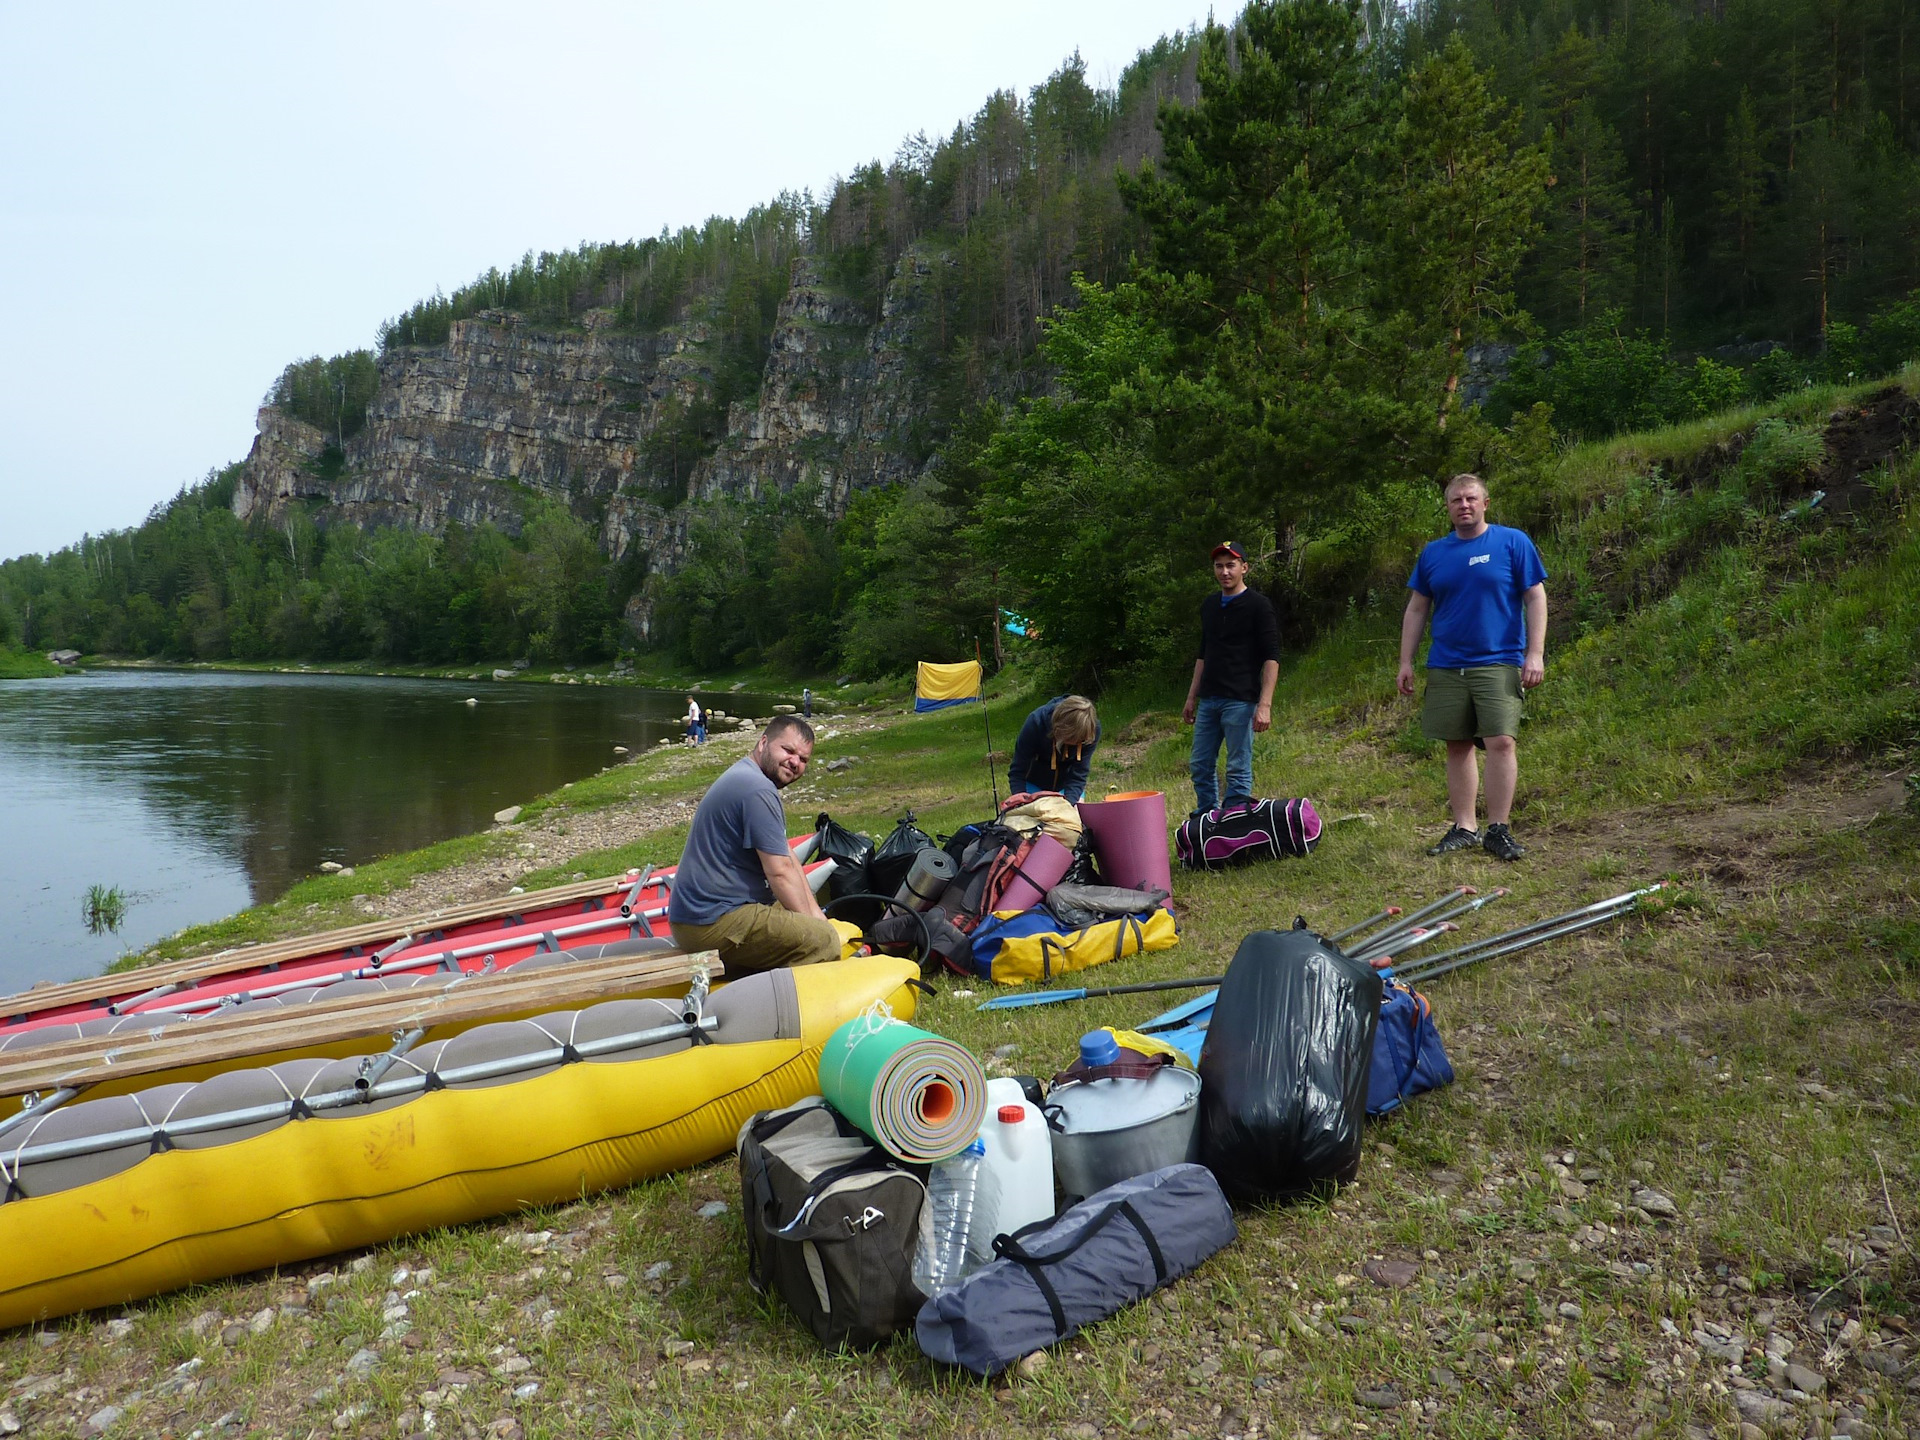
x=467 y=432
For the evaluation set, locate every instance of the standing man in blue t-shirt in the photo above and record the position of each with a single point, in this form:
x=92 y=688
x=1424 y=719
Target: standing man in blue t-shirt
x=1484 y=587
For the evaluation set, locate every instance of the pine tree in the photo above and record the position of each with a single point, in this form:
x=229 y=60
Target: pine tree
x=1583 y=265
x=1257 y=268
x=1457 y=214
x=1742 y=203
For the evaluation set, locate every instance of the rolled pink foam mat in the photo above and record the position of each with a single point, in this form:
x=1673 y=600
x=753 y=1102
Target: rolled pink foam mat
x=1130 y=839
x=1045 y=865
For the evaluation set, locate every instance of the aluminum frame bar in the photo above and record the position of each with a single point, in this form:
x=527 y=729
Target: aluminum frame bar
x=298 y=1109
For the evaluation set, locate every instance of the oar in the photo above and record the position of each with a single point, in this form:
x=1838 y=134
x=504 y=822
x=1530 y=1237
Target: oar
x=1056 y=997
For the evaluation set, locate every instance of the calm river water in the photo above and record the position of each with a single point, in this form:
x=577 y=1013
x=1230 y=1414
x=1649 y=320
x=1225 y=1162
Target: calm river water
x=199 y=793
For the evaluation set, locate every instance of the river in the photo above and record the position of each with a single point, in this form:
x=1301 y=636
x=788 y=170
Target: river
x=197 y=793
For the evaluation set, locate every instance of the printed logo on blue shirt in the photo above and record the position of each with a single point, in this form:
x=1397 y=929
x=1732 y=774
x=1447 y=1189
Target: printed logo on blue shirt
x=1478 y=560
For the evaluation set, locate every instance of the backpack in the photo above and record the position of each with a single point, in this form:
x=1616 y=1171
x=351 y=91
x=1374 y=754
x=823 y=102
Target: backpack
x=1408 y=1058
x=1247 y=830
x=831 y=1222
x=986 y=866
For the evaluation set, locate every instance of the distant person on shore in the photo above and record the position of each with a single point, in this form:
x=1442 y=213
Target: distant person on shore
x=696 y=722
x=1055 y=748
x=1231 y=696
x=1484 y=586
x=739 y=890
x=806 y=702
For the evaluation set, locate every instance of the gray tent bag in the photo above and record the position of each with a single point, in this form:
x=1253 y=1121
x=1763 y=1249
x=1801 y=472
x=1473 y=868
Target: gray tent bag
x=1055 y=1277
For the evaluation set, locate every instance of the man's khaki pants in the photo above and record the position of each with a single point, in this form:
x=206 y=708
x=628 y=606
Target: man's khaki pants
x=762 y=937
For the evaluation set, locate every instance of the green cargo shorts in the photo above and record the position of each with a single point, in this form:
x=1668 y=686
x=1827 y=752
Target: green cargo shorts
x=762 y=937
x=1471 y=704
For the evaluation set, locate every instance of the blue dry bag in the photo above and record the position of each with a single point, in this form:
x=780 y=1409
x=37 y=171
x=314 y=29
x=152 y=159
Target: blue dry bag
x=1408 y=1058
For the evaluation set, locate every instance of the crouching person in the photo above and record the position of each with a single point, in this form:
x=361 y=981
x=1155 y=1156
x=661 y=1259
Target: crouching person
x=739 y=890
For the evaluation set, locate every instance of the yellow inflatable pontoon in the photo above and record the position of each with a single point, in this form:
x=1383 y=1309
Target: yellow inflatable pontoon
x=110 y=1200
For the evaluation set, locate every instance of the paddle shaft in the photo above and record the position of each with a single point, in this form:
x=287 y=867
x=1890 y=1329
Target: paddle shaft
x=1056 y=997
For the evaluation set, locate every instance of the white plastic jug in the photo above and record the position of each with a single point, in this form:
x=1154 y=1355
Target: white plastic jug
x=1019 y=1160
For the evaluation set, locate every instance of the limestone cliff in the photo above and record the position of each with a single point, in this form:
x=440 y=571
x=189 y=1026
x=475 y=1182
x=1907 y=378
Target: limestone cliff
x=468 y=431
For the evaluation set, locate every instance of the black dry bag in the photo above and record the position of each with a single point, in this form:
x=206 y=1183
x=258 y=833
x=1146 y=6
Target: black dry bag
x=850 y=852
x=894 y=858
x=1284 y=1070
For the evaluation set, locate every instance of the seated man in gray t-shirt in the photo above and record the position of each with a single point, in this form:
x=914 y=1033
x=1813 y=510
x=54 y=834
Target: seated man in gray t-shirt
x=739 y=890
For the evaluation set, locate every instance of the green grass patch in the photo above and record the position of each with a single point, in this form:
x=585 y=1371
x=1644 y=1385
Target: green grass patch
x=26 y=665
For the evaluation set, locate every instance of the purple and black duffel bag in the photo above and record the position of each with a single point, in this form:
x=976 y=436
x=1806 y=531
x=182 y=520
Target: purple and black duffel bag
x=1242 y=831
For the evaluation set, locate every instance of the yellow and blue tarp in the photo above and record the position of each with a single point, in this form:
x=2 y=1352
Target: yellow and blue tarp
x=939 y=686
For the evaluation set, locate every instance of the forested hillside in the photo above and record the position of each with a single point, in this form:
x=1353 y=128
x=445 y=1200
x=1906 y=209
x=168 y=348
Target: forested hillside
x=1261 y=287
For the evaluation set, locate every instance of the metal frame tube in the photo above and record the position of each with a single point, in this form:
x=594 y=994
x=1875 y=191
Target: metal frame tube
x=34 y=1109
x=423 y=962
x=1406 y=940
x=633 y=894
x=1407 y=922
x=1617 y=902
x=1441 y=964
x=695 y=1003
x=375 y=1066
x=340 y=1099
x=1390 y=913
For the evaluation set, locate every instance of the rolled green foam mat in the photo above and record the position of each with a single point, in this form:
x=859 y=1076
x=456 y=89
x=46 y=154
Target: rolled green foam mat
x=919 y=1096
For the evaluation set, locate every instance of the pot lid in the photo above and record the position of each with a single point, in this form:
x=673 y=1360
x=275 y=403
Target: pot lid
x=1084 y=1107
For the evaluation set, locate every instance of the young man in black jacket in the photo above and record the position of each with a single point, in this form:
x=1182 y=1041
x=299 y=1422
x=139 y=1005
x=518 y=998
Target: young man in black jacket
x=1232 y=692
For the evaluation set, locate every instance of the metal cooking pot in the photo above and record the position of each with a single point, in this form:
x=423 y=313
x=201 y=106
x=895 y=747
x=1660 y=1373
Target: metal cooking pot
x=1111 y=1129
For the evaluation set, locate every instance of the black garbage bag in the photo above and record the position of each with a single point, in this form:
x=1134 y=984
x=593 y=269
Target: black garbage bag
x=851 y=853
x=1284 y=1071
x=888 y=868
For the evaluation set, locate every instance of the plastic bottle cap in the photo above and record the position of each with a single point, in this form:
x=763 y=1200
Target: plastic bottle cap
x=1098 y=1047
x=1012 y=1114
x=977 y=1148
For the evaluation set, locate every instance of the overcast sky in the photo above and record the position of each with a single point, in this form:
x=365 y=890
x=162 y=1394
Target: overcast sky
x=192 y=195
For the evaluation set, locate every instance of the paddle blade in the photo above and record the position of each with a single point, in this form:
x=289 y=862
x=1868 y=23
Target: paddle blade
x=1037 y=997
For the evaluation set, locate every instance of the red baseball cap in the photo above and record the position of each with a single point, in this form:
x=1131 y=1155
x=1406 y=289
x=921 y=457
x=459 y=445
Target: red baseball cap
x=1229 y=547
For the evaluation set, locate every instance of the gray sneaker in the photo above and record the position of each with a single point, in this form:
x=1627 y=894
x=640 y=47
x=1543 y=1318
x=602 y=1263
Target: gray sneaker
x=1501 y=844
x=1458 y=838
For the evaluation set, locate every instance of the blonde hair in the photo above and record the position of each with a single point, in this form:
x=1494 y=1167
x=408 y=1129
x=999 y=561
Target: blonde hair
x=1074 y=723
x=1465 y=477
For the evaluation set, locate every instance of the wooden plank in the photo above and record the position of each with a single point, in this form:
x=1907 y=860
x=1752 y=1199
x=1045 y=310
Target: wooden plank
x=372 y=933
x=218 y=1039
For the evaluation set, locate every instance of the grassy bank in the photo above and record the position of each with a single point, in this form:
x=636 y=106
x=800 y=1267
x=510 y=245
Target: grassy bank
x=1732 y=701
x=25 y=665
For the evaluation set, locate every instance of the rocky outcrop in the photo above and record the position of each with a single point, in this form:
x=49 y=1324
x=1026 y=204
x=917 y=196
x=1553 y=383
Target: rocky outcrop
x=287 y=464
x=506 y=411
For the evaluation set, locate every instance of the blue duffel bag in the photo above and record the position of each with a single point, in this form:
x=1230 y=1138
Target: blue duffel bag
x=1055 y=1277
x=1408 y=1058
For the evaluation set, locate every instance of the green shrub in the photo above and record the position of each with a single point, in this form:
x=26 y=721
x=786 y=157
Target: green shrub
x=1780 y=451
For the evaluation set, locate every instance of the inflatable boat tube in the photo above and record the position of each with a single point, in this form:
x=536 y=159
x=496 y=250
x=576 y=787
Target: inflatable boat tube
x=107 y=1201
x=504 y=932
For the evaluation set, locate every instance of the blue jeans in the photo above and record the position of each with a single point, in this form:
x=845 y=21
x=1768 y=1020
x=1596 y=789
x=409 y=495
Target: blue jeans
x=1218 y=720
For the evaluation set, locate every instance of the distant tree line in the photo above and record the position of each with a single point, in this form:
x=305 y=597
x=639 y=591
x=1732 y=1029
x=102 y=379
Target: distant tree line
x=195 y=583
